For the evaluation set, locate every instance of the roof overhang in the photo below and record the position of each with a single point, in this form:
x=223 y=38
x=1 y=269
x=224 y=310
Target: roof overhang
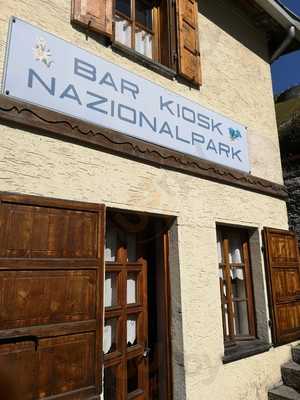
x=276 y=20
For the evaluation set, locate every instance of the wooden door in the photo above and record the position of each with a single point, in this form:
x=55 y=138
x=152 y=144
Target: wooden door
x=51 y=278
x=126 y=374
x=282 y=268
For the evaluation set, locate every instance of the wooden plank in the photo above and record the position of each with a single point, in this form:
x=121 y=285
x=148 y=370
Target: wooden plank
x=34 y=298
x=42 y=121
x=51 y=330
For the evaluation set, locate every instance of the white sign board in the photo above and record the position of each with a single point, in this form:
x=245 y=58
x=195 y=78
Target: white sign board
x=50 y=72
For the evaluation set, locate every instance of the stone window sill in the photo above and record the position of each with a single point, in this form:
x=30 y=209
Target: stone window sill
x=244 y=349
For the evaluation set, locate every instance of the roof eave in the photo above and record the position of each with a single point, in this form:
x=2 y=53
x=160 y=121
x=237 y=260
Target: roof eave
x=284 y=17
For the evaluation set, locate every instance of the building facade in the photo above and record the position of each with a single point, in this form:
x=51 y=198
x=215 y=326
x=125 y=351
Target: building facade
x=189 y=311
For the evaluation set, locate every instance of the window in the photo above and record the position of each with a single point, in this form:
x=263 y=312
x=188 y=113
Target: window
x=134 y=26
x=235 y=285
x=161 y=34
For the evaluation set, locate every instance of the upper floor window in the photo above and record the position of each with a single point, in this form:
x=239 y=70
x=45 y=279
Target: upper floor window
x=134 y=26
x=162 y=34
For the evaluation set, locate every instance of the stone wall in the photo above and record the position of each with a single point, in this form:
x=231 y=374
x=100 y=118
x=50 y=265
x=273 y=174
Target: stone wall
x=291 y=175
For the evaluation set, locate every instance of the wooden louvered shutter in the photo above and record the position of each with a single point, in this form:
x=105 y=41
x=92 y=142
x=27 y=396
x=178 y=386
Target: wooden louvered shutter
x=189 y=65
x=51 y=288
x=95 y=15
x=283 y=277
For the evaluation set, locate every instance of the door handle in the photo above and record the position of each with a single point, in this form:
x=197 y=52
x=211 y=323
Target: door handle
x=19 y=339
x=146 y=352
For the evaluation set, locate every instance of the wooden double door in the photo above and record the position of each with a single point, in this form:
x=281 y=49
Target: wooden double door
x=54 y=309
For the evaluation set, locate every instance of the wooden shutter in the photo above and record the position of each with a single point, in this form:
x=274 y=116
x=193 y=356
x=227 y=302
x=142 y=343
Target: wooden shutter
x=188 y=40
x=51 y=284
x=95 y=15
x=283 y=277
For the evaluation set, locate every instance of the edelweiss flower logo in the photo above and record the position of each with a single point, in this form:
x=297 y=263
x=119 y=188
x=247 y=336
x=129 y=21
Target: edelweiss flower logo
x=42 y=53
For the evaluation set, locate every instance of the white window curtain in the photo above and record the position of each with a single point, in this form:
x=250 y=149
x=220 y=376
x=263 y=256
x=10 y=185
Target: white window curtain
x=131 y=330
x=109 y=337
x=143 y=43
x=110 y=289
x=131 y=287
x=123 y=31
x=219 y=247
x=237 y=273
x=235 y=248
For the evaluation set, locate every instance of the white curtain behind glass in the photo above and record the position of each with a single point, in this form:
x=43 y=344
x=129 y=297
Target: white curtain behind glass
x=219 y=246
x=110 y=289
x=235 y=248
x=131 y=287
x=109 y=336
x=131 y=330
x=123 y=31
x=143 y=43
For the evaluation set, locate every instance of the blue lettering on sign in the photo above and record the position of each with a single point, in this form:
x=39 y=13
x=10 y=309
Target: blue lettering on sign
x=103 y=105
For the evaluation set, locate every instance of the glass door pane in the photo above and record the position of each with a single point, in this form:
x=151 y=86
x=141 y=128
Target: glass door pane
x=132 y=287
x=111 y=289
x=133 y=375
x=110 y=336
x=132 y=322
x=111 y=383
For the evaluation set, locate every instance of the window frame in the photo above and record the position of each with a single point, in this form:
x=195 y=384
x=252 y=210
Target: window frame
x=134 y=23
x=156 y=63
x=225 y=266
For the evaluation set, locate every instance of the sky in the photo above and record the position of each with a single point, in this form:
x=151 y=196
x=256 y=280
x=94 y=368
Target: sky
x=286 y=70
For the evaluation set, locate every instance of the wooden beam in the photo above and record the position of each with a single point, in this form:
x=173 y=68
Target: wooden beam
x=39 y=120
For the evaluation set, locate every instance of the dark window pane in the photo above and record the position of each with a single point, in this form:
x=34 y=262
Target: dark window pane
x=143 y=13
x=238 y=283
x=241 y=318
x=124 y=7
x=132 y=375
x=110 y=383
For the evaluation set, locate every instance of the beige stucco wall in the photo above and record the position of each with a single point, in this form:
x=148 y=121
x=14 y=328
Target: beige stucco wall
x=237 y=83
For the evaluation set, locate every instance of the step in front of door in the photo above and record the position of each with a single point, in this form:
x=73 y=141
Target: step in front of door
x=283 y=392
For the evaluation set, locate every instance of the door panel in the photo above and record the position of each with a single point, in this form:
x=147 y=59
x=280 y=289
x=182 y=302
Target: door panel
x=51 y=279
x=283 y=275
x=69 y=361
x=18 y=370
x=33 y=232
x=29 y=298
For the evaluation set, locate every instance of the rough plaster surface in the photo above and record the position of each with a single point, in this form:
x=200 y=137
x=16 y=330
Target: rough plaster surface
x=237 y=83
